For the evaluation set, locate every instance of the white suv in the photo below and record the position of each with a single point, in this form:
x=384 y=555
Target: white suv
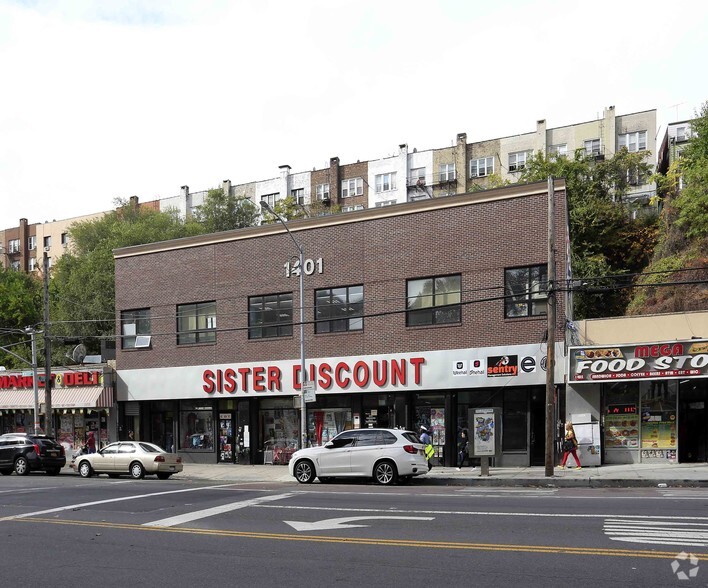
x=387 y=455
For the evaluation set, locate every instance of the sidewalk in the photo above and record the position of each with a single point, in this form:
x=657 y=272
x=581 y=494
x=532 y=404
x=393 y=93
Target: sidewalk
x=607 y=476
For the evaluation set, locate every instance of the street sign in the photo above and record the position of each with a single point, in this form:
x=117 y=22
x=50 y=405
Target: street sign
x=308 y=389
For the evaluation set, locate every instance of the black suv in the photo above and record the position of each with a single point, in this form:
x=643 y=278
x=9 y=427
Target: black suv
x=25 y=453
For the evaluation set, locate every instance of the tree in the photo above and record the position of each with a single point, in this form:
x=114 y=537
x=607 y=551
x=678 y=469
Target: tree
x=82 y=288
x=223 y=212
x=20 y=307
x=289 y=209
x=605 y=240
x=680 y=255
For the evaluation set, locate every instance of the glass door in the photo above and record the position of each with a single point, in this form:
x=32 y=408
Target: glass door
x=226 y=437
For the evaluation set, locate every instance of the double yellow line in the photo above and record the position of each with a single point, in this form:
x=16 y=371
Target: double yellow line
x=564 y=550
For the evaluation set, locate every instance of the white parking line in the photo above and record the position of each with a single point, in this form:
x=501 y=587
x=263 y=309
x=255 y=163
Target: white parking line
x=107 y=501
x=210 y=512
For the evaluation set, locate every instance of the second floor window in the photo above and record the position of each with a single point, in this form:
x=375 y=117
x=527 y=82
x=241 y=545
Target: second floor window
x=592 y=147
x=298 y=195
x=32 y=242
x=633 y=141
x=447 y=172
x=64 y=239
x=526 y=291
x=322 y=191
x=352 y=187
x=47 y=242
x=434 y=301
x=133 y=323
x=517 y=161
x=385 y=182
x=271 y=199
x=196 y=323
x=339 y=309
x=270 y=316
x=13 y=246
x=480 y=168
x=558 y=150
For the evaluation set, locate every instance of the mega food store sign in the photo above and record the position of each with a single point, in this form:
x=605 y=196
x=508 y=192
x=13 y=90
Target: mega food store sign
x=677 y=359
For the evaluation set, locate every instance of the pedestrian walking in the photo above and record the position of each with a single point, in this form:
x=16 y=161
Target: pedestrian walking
x=462 y=447
x=427 y=445
x=570 y=446
x=90 y=443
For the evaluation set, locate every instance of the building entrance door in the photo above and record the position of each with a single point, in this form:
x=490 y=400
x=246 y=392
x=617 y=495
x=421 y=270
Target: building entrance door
x=693 y=422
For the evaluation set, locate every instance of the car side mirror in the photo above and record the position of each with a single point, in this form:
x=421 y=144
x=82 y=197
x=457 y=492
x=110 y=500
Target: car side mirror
x=329 y=444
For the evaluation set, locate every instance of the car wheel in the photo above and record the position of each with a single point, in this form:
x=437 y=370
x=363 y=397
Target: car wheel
x=53 y=471
x=6 y=472
x=304 y=471
x=163 y=476
x=22 y=466
x=85 y=469
x=385 y=473
x=137 y=471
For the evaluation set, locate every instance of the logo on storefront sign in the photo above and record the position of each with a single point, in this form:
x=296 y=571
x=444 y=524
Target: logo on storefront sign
x=477 y=367
x=502 y=365
x=528 y=364
x=459 y=368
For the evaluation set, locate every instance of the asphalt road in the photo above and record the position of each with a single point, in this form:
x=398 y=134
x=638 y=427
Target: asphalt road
x=61 y=531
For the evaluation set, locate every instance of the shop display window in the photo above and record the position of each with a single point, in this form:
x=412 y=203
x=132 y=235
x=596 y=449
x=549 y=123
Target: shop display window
x=196 y=427
x=325 y=424
x=658 y=419
x=621 y=423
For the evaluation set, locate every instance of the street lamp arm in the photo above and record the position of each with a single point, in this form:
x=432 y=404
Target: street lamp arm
x=267 y=207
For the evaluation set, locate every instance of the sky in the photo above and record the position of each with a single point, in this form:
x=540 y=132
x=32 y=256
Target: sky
x=109 y=99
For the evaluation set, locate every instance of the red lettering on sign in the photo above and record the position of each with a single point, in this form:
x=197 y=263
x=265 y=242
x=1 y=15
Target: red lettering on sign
x=325 y=373
x=342 y=382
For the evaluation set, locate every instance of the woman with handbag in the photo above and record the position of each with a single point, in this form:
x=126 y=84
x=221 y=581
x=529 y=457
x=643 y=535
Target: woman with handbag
x=570 y=445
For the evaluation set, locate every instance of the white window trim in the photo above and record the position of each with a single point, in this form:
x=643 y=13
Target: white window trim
x=519 y=160
x=447 y=172
x=625 y=140
x=485 y=165
x=357 y=190
x=385 y=182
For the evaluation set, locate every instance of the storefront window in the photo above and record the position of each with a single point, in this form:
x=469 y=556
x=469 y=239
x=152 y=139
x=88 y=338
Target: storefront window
x=622 y=415
x=515 y=420
x=280 y=425
x=196 y=426
x=327 y=423
x=430 y=413
x=658 y=417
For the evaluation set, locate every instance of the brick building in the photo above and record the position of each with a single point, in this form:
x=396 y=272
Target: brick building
x=411 y=312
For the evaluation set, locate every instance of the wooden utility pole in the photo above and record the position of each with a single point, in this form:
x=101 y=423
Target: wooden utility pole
x=551 y=327
x=49 y=424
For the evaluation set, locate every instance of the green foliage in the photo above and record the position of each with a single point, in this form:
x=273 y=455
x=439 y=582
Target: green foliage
x=605 y=240
x=82 y=289
x=224 y=212
x=20 y=307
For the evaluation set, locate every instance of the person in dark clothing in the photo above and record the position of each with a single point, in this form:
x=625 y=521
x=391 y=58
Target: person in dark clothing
x=462 y=447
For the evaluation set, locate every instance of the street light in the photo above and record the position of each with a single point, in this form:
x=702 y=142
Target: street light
x=303 y=373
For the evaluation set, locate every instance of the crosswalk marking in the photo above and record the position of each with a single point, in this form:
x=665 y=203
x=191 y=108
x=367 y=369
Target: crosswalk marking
x=658 y=532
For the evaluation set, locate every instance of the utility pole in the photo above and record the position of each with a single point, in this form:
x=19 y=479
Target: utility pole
x=33 y=334
x=49 y=425
x=551 y=327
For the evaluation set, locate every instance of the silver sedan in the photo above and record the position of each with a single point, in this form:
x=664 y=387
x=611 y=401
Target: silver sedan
x=136 y=458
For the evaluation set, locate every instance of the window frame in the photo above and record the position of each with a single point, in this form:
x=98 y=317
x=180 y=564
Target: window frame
x=592 y=151
x=140 y=317
x=520 y=160
x=31 y=242
x=352 y=320
x=47 y=241
x=385 y=182
x=322 y=192
x=434 y=311
x=13 y=246
x=559 y=149
x=447 y=172
x=199 y=335
x=534 y=295
x=475 y=167
x=298 y=195
x=358 y=187
x=271 y=199
x=626 y=140
x=283 y=328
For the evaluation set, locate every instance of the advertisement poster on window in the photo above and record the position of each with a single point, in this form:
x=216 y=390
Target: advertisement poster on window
x=485 y=433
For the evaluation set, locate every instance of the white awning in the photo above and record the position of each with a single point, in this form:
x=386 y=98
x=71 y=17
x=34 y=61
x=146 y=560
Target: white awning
x=84 y=397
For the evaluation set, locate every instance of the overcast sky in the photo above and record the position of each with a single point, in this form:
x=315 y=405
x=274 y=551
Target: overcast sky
x=107 y=99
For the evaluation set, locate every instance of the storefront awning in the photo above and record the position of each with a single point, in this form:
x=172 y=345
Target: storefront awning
x=85 y=397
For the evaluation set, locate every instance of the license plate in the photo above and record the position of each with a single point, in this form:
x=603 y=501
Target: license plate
x=52 y=453
x=172 y=468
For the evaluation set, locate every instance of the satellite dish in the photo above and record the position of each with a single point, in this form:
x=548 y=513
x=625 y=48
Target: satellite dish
x=79 y=353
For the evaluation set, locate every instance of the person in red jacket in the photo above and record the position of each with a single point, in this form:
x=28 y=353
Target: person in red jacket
x=91 y=443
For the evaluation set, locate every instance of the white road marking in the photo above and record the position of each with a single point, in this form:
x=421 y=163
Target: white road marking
x=28 y=490
x=210 y=512
x=658 y=532
x=485 y=513
x=344 y=523
x=107 y=501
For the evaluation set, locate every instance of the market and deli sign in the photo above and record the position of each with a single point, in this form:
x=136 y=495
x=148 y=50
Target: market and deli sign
x=342 y=374
x=633 y=362
x=59 y=380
